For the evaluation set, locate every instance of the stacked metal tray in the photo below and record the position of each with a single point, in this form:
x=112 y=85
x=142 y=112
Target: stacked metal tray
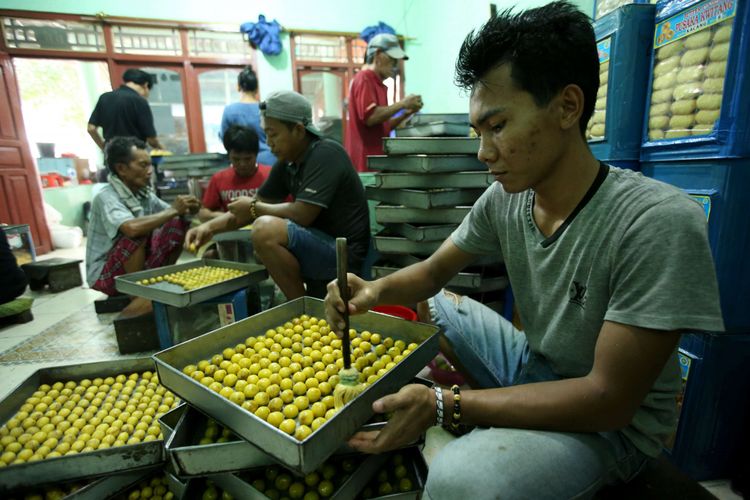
x=80 y=465
x=193 y=165
x=307 y=455
x=175 y=295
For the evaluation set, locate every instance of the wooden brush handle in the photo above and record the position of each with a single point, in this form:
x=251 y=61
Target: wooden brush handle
x=341 y=270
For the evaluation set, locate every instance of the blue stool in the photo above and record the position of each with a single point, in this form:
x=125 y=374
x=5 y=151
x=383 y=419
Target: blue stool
x=236 y=309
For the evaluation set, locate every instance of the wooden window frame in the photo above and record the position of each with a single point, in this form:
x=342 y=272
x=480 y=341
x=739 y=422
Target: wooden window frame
x=189 y=63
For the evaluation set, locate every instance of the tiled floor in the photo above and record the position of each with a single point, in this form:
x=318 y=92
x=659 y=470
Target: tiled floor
x=79 y=327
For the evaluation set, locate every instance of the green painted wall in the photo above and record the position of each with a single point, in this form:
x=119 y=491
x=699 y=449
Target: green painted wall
x=434 y=28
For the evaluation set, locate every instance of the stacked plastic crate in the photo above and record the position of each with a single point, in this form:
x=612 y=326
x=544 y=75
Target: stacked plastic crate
x=426 y=186
x=604 y=7
x=624 y=39
x=697 y=137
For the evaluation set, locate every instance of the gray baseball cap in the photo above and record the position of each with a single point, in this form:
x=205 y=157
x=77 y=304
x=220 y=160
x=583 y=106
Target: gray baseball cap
x=387 y=43
x=289 y=106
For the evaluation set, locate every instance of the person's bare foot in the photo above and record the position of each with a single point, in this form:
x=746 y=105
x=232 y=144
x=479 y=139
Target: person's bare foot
x=137 y=307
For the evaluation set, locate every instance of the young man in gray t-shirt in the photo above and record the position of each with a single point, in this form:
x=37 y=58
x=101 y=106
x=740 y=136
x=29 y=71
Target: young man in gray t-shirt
x=608 y=268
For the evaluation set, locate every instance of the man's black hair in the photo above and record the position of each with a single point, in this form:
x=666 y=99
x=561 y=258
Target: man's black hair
x=547 y=48
x=120 y=150
x=139 y=76
x=241 y=139
x=247 y=79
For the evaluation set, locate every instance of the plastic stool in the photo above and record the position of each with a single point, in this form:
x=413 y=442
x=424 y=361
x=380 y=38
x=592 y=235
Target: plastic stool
x=60 y=274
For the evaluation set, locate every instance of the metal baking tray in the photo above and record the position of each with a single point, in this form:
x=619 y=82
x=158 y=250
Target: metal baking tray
x=431 y=145
x=168 y=421
x=194 y=488
x=392 y=244
x=473 y=282
x=175 y=295
x=417 y=467
x=421 y=118
x=241 y=489
x=422 y=164
x=432 y=232
x=80 y=465
x=193 y=159
x=398 y=213
x=435 y=129
x=430 y=181
x=307 y=455
x=189 y=458
x=424 y=198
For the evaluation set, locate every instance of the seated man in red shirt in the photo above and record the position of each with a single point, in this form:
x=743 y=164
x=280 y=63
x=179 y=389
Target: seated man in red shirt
x=242 y=178
x=370 y=116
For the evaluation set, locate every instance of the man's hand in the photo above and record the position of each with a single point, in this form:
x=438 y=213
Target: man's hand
x=362 y=297
x=413 y=102
x=241 y=206
x=414 y=412
x=197 y=237
x=186 y=203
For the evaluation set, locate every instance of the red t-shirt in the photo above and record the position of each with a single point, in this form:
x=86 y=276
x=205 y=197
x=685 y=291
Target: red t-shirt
x=366 y=93
x=226 y=185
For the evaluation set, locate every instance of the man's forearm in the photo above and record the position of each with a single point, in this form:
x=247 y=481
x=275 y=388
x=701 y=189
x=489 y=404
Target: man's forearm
x=141 y=226
x=97 y=138
x=205 y=214
x=154 y=142
x=382 y=114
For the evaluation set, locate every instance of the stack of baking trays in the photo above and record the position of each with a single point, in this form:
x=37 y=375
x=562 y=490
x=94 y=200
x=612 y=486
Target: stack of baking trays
x=186 y=174
x=88 y=431
x=426 y=186
x=260 y=420
x=436 y=125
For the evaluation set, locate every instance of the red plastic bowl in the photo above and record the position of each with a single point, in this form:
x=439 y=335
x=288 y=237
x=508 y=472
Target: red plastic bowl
x=398 y=311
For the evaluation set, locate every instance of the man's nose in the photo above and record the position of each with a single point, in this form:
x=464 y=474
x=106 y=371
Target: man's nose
x=487 y=152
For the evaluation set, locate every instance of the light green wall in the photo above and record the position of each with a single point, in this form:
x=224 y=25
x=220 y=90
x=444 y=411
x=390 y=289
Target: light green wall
x=434 y=29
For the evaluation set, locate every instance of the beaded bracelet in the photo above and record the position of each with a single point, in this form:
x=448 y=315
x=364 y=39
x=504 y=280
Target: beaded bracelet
x=456 y=407
x=252 y=210
x=439 y=405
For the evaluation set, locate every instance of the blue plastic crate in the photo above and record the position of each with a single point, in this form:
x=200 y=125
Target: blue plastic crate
x=604 y=7
x=699 y=89
x=722 y=186
x=624 y=41
x=713 y=419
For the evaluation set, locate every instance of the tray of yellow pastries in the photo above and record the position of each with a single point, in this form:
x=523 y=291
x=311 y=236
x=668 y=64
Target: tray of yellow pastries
x=81 y=421
x=270 y=378
x=193 y=282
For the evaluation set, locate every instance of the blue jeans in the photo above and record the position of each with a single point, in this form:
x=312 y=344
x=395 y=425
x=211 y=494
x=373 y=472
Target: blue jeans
x=315 y=251
x=516 y=463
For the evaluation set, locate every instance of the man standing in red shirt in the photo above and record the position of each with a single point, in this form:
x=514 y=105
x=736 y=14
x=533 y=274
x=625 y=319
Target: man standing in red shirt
x=242 y=178
x=370 y=116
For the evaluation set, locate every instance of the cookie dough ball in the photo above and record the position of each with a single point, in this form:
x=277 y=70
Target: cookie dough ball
x=672 y=49
x=690 y=74
x=667 y=81
x=709 y=101
x=713 y=85
x=660 y=96
x=658 y=122
x=603 y=78
x=699 y=39
x=687 y=91
x=694 y=57
x=716 y=69
x=722 y=34
x=597 y=130
x=701 y=130
x=683 y=107
x=707 y=116
x=667 y=65
x=659 y=109
x=719 y=52
x=676 y=134
x=681 y=122
x=601 y=103
x=598 y=117
x=655 y=135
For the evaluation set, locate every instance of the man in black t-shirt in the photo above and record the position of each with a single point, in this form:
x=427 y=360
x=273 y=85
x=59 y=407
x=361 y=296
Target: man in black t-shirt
x=312 y=196
x=125 y=112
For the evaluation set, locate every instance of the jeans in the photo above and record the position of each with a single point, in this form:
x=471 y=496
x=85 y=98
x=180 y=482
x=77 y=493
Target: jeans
x=516 y=463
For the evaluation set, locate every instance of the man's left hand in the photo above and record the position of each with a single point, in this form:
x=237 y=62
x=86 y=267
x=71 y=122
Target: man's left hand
x=414 y=412
x=241 y=206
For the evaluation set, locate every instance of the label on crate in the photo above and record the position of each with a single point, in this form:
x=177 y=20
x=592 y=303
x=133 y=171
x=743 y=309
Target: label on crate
x=226 y=314
x=604 y=46
x=705 y=202
x=701 y=16
x=684 y=365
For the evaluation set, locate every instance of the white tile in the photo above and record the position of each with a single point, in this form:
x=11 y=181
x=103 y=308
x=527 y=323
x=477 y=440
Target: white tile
x=9 y=342
x=721 y=489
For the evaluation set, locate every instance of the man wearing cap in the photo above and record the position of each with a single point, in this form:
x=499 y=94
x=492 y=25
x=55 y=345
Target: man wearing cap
x=370 y=116
x=125 y=112
x=295 y=237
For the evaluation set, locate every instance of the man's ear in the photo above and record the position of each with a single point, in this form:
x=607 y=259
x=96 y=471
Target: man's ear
x=571 y=101
x=118 y=167
x=299 y=131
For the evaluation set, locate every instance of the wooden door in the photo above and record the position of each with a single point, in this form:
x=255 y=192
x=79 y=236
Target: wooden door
x=20 y=186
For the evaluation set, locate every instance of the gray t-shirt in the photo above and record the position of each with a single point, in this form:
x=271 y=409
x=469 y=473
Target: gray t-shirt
x=108 y=213
x=636 y=253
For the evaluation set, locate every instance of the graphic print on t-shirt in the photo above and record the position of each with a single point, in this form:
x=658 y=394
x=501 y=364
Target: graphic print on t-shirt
x=577 y=293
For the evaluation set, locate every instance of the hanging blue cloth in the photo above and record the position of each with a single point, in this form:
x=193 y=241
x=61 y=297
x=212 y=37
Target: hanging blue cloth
x=264 y=35
x=371 y=31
